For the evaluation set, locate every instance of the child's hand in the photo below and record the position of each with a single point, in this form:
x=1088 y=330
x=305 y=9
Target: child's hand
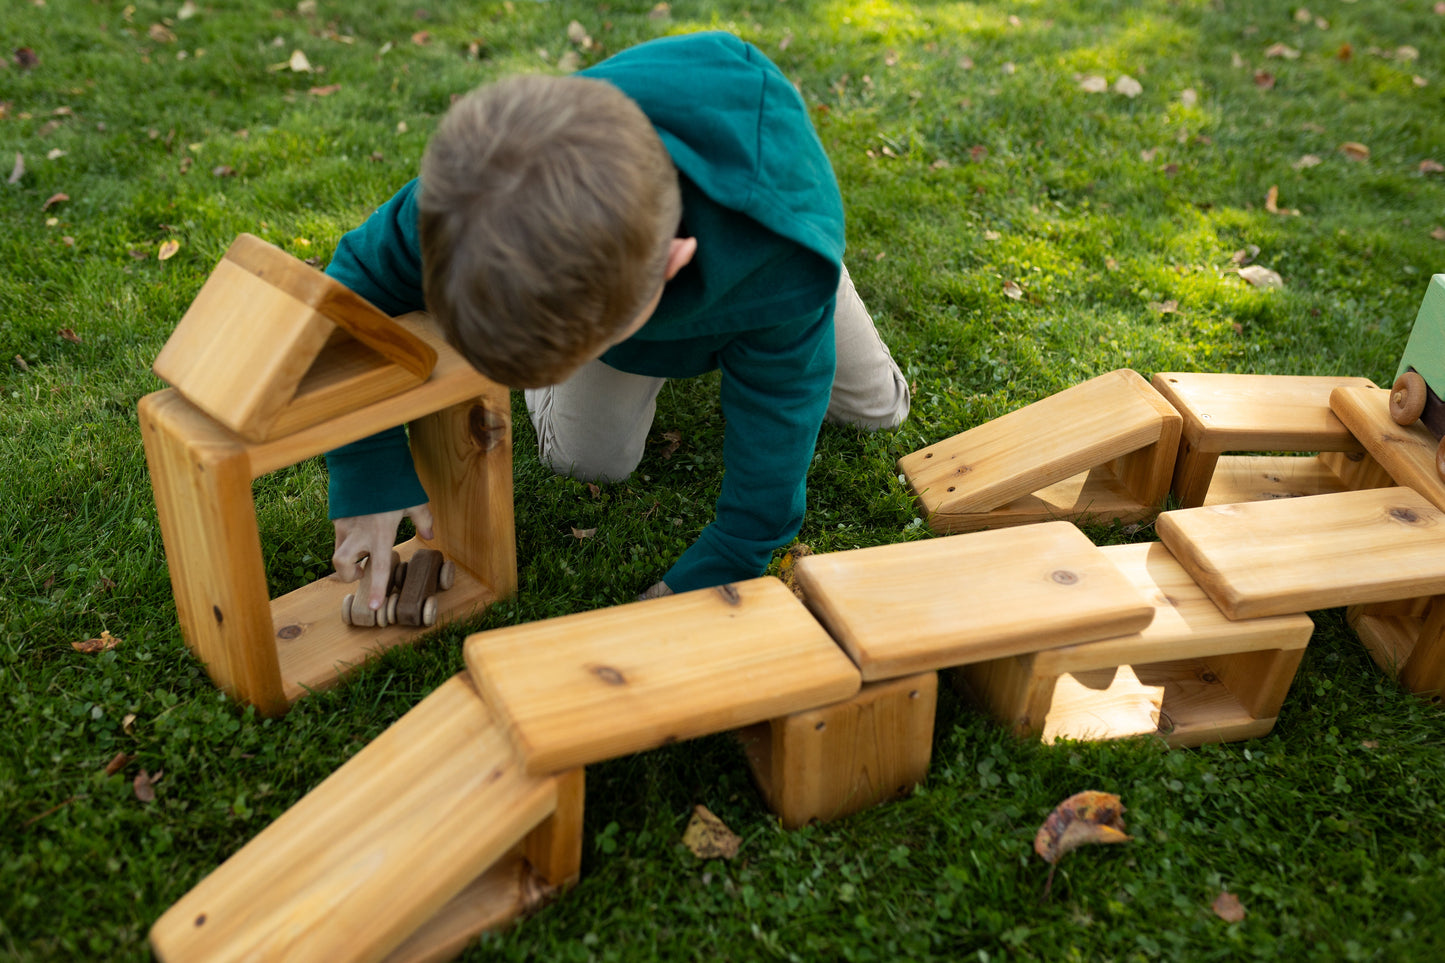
x=359 y=537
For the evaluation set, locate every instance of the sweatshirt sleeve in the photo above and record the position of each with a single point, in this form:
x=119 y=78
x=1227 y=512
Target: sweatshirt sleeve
x=381 y=261
x=775 y=387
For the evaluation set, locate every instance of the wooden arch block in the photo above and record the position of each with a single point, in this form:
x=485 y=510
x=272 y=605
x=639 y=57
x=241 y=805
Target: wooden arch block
x=1103 y=449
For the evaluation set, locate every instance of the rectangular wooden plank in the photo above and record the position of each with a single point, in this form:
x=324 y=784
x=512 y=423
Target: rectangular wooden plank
x=1247 y=413
x=1257 y=478
x=1299 y=554
x=373 y=852
x=1077 y=429
x=1092 y=495
x=906 y=608
x=1407 y=452
x=591 y=686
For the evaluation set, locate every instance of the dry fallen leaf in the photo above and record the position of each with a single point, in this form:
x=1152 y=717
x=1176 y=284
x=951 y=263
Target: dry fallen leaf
x=708 y=837
x=168 y=249
x=1307 y=161
x=1189 y=96
x=1429 y=166
x=188 y=10
x=144 y=785
x=69 y=335
x=223 y=170
x=91 y=646
x=1271 y=203
x=128 y=723
x=54 y=199
x=1111 y=264
x=18 y=171
x=577 y=34
x=660 y=12
x=421 y=38
x=1264 y=80
x=1083 y=819
x=673 y=439
x=1128 y=86
x=1438 y=234
x=1164 y=307
x=1094 y=84
x=1245 y=255
x=1355 y=151
x=25 y=58
x=160 y=33
x=581 y=533
x=1228 y=907
x=325 y=91
x=1282 y=50
x=298 y=62
x=1262 y=277
x=1012 y=290
x=118 y=762
x=569 y=62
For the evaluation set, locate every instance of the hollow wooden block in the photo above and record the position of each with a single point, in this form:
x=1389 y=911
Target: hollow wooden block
x=1192 y=676
x=270 y=653
x=941 y=602
x=1301 y=554
x=1261 y=413
x=428 y=830
x=829 y=762
x=1103 y=449
x=591 y=686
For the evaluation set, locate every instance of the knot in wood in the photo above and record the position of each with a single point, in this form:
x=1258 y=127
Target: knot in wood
x=288 y=632
x=609 y=675
x=1064 y=577
x=730 y=594
x=216 y=611
x=1404 y=515
x=488 y=428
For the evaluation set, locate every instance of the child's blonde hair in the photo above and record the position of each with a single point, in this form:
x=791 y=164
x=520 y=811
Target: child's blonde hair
x=548 y=205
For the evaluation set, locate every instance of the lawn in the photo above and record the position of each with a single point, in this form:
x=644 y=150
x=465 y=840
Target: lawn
x=1014 y=229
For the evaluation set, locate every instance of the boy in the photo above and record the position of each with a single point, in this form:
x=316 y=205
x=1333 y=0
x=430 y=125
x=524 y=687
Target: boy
x=661 y=214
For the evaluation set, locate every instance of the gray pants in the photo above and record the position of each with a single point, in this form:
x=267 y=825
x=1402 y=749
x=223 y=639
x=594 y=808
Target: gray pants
x=594 y=425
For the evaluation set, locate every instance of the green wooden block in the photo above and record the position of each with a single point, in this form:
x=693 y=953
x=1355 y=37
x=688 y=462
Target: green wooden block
x=1425 y=351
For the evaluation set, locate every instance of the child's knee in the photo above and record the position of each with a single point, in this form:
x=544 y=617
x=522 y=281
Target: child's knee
x=590 y=466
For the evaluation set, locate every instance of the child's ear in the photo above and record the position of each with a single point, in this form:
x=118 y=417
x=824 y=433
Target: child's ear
x=682 y=251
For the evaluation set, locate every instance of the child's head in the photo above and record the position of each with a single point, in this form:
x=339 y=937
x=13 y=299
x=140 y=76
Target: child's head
x=548 y=207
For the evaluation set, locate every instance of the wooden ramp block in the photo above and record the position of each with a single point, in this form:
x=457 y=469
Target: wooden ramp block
x=830 y=762
x=916 y=606
x=271 y=345
x=1255 y=413
x=1300 y=554
x=592 y=686
x=1101 y=449
x=1407 y=452
x=1192 y=676
x=378 y=849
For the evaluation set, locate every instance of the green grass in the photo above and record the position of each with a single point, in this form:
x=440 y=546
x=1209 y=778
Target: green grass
x=969 y=156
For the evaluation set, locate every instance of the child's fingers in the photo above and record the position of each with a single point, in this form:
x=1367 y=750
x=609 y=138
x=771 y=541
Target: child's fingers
x=421 y=517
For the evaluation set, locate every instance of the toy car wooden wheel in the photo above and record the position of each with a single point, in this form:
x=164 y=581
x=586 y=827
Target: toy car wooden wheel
x=390 y=607
x=398 y=574
x=352 y=614
x=429 y=612
x=1407 y=398
x=346 y=609
x=447 y=577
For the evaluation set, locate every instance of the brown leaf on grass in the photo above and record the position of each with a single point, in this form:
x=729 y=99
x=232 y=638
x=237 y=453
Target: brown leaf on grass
x=139 y=253
x=1262 y=277
x=594 y=491
x=1264 y=80
x=168 y=249
x=54 y=199
x=785 y=566
x=1228 y=907
x=421 y=38
x=1429 y=166
x=581 y=533
x=128 y=723
x=160 y=33
x=569 y=62
x=1282 y=50
x=299 y=63
x=20 y=363
x=708 y=837
x=674 y=440
x=1128 y=86
x=577 y=34
x=118 y=762
x=1111 y=264
x=1084 y=818
x=1407 y=53
x=1093 y=84
x=69 y=335
x=18 y=171
x=1345 y=53
x=189 y=10
x=25 y=58
x=1164 y=307
x=223 y=170
x=325 y=91
x=1011 y=289
x=1355 y=151
x=660 y=12
x=1307 y=161
x=1438 y=234
x=144 y=785
x=1271 y=203
x=1245 y=255
x=91 y=646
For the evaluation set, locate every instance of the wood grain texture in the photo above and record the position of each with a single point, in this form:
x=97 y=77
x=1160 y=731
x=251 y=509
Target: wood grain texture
x=906 y=608
x=368 y=856
x=1080 y=428
x=1245 y=413
x=202 y=485
x=1258 y=478
x=1406 y=452
x=1300 y=554
x=829 y=762
x=587 y=687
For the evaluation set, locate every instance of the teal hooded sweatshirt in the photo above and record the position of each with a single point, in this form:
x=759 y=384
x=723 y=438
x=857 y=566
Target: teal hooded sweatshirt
x=756 y=302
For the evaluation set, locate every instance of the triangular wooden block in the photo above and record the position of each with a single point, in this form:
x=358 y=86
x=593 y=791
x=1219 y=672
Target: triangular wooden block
x=271 y=345
x=1102 y=449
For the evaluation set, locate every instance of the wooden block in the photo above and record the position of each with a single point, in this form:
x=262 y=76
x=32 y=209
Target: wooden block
x=270 y=653
x=271 y=345
x=1258 y=478
x=633 y=677
x=1406 y=452
x=1299 y=554
x=1192 y=676
x=915 y=606
x=827 y=763
x=376 y=850
x=1114 y=429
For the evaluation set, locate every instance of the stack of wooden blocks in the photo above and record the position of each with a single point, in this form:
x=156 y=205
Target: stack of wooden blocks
x=468 y=811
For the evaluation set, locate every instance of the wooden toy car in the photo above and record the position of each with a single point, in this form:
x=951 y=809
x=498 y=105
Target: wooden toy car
x=414 y=585
x=1420 y=382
